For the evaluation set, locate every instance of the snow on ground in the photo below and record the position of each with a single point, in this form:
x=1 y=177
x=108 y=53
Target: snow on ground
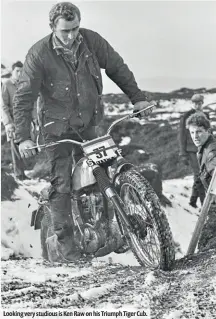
x=171 y=109
x=186 y=292
x=125 y=141
x=166 y=111
x=181 y=105
x=18 y=237
x=112 y=283
x=16 y=234
x=181 y=216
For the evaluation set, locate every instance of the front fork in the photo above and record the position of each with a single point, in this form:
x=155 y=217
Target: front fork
x=108 y=190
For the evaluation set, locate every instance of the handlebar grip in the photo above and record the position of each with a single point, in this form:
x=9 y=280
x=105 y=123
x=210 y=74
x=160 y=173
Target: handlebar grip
x=147 y=110
x=138 y=115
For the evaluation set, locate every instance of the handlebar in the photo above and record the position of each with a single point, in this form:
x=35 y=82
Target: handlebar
x=128 y=116
x=39 y=146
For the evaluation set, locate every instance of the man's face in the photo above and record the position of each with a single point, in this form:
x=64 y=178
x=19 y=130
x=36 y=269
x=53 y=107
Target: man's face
x=198 y=105
x=67 y=31
x=199 y=134
x=16 y=73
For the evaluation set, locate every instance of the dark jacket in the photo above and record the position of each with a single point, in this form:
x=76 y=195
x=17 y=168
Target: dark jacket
x=206 y=156
x=186 y=143
x=7 y=95
x=69 y=96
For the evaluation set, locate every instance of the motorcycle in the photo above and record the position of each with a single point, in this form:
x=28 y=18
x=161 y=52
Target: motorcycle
x=114 y=208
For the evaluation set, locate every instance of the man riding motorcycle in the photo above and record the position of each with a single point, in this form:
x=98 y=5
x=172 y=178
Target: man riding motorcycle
x=64 y=67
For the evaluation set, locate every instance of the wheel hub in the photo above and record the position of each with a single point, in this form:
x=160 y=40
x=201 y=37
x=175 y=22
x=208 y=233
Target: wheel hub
x=136 y=220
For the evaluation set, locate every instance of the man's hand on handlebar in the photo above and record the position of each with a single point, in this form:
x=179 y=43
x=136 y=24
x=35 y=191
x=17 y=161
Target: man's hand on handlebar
x=25 y=149
x=138 y=106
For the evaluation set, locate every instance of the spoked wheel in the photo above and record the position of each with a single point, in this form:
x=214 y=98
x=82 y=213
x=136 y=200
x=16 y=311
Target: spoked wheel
x=150 y=236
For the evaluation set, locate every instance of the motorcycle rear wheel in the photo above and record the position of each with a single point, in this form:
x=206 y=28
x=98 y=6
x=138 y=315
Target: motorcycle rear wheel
x=150 y=239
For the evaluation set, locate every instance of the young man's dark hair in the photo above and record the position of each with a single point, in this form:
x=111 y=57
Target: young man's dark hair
x=198 y=119
x=65 y=10
x=17 y=64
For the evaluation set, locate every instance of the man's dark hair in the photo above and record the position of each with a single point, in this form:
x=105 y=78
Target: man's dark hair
x=198 y=119
x=65 y=10
x=17 y=64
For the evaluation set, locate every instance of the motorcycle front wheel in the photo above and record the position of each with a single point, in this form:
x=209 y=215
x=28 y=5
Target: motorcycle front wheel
x=150 y=237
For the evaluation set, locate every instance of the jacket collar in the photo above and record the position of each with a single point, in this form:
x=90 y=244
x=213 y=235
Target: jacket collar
x=59 y=47
x=208 y=141
x=14 y=82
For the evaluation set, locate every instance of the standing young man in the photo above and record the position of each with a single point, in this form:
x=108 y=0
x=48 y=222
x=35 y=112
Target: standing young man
x=200 y=130
x=188 y=150
x=8 y=90
x=65 y=67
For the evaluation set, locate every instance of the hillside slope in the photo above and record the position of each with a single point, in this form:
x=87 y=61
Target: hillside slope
x=151 y=140
x=188 y=292
x=18 y=236
x=112 y=283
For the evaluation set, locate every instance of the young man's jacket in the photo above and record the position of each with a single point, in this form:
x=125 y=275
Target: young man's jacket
x=186 y=143
x=69 y=96
x=206 y=156
x=7 y=95
x=8 y=90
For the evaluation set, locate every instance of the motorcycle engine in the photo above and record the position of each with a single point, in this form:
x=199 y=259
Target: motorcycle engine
x=91 y=207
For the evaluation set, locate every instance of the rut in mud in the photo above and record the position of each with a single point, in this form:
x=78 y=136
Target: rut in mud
x=116 y=282
x=186 y=292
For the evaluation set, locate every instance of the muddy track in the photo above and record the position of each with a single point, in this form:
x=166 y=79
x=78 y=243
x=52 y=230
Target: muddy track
x=189 y=290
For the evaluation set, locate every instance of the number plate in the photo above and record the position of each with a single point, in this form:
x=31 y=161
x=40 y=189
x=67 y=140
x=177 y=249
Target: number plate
x=100 y=149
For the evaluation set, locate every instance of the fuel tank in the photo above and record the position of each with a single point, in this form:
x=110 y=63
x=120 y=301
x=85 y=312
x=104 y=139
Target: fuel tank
x=82 y=175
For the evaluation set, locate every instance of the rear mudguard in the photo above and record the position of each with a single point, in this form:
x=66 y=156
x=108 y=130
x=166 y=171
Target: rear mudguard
x=36 y=218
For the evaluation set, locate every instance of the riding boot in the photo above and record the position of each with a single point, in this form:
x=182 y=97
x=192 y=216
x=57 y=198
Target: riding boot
x=62 y=246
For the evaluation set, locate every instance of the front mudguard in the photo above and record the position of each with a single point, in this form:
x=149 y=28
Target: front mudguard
x=121 y=165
